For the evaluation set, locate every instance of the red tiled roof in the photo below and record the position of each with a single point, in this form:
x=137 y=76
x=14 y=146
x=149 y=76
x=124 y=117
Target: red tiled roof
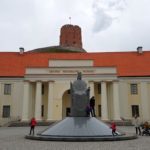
x=13 y=64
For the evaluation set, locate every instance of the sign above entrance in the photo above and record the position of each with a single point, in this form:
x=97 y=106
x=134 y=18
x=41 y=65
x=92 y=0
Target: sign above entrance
x=71 y=70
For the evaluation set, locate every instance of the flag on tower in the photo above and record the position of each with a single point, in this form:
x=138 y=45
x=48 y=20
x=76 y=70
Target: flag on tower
x=70 y=19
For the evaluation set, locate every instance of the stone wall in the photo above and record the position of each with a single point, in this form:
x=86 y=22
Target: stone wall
x=70 y=36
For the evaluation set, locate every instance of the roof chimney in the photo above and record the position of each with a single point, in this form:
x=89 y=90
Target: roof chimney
x=139 y=49
x=21 y=50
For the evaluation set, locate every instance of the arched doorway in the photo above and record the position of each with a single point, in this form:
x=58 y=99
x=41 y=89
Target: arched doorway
x=66 y=104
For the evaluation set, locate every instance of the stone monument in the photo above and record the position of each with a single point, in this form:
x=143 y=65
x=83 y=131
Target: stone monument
x=79 y=127
x=79 y=97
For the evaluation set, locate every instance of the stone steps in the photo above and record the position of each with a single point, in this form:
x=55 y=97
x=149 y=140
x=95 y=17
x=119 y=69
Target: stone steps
x=21 y=124
x=45 y=123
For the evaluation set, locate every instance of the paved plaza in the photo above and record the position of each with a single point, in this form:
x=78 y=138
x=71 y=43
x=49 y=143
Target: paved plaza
x=12 y=138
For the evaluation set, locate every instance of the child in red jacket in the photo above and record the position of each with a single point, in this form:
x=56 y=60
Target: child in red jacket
x=113 y=127
x=32 y=126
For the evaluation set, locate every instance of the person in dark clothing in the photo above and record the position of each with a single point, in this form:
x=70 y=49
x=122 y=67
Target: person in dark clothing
x=92 y=105
x=32 y=126
x=88 y=110
x=146 y=129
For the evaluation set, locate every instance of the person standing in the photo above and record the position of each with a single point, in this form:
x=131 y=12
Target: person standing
x=88 y=110
x=136 y=123
x=113 y=127
x=32 y=125
x=92 y=105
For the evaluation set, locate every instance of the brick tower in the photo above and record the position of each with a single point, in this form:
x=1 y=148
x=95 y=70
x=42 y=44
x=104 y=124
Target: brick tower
x=70 y=36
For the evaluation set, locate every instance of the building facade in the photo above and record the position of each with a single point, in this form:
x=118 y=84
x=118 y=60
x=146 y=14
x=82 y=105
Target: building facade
x=34 y=84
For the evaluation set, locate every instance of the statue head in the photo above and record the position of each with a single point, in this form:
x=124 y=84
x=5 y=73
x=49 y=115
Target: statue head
x=79 y=76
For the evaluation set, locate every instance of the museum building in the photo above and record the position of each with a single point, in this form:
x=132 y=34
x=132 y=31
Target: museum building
x=36 y=83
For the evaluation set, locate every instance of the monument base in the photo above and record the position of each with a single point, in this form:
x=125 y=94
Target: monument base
x=80 y=129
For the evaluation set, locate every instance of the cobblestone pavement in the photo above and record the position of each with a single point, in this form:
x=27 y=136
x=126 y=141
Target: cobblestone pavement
x=12 y=138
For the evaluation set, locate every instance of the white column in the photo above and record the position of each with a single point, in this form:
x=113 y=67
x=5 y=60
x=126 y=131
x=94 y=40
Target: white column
x=50 y=100
x=25 y=108
x=116 y=106
x=91 y=84
x=145 y=101
x=38 y=100
x=104 y=104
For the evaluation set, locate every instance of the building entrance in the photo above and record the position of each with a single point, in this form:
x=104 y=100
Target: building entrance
x=66 y=104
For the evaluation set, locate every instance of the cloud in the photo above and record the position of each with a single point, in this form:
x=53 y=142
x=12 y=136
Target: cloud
x=33 y=24
x=105 y=12
x=102 y=21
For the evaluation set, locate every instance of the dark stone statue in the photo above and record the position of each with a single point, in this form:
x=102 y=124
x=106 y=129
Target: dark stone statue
x=79 y=126
x=79 y=97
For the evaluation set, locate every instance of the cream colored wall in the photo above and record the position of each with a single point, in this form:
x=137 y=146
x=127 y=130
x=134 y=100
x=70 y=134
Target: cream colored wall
x=123 y=99
x=17 y=92
x=0 y=99
x=32 y=100
x=59 y=88
x=145 y=107
x=99 y=73
x=14 y=100
x=61 y=98
x=141 y=99
x=110 y=100
x=44 y=100
x=149 y=91
x=30 y=104
x=149 y=98
x=134 y=99
x=75 y=63
x=6 y=99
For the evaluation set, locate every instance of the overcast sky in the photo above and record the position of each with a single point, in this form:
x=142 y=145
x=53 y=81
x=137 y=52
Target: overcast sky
x=107 y=25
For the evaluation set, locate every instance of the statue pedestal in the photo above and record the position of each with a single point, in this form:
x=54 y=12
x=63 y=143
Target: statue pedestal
x=80 y=129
